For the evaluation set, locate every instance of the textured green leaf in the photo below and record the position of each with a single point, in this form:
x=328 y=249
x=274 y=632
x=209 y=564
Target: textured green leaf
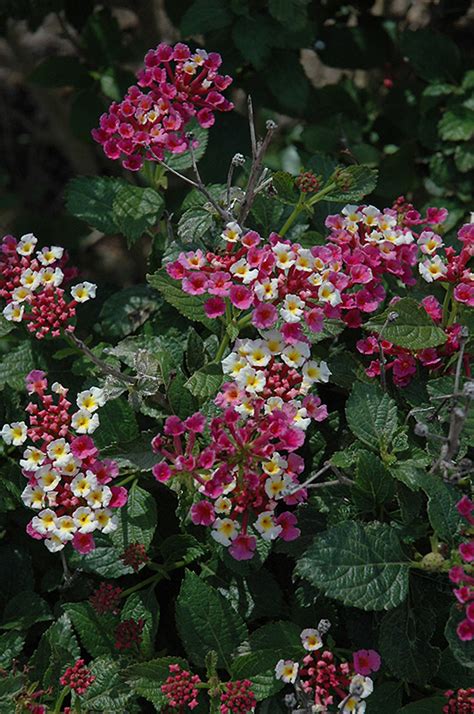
x=254 y=37
x=433 y=705
x=412 y=329
x=457 y=124
x=104 y=560
x=136 y=520
x=276 y=634
x=180 y=399
x=6 y=326
x=291 y=13
x=463 y=651
x=108 y=693
x=206 y=381
x=11 y=644
x=23 y=610
x=136 y=210
x=371 y=415
x=126 y=310
x=205 y=15
x=386 y=698
x=143 y=606
x=181 y=162
x=444 y=517
x=267 y=212
x=180 y=548
x=118 y=424
x=284 y=184
x=259 y=667
x=191 y=306
x=464 y=158
x=57 y=649
x=194 y=224
x=96 y=632
x=354 y=182
x=374 y=485
x=206 y=622
x=92 y=199
x=433 y=55
x=146 y=678
x=361 y=566
x=15 y=366
x=404 y=645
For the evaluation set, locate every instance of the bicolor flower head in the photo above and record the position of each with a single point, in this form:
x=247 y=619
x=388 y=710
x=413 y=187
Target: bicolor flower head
x=286 y=670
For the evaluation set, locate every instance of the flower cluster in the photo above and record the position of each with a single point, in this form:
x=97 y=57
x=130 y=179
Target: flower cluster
x=30 y=284
x=464 y=591
x=323 y=681
x=174 y=86
x=106 y=598
x=135 y=556
x=238 y=698
x=128 y=634
x=277 y=373
x=77 y=677
x=247 y=472
x=67 y=482
x=180 y=688
x=460 y=701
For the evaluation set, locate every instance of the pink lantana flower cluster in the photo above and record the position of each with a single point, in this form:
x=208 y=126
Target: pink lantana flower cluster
x=67 y=481
x=326 y=682
x=464 y=591
x=30 y=284
x=175 y=86
x=243 y=469
x=460 y=701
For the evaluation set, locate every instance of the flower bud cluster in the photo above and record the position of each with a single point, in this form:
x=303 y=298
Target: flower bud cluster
x=30 y=284
x=67 y=481
x=458 y=574
x=175 y=86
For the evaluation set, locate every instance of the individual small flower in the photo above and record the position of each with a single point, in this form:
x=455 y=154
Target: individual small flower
x=243 y=547
x=14 y=434
x=214 y=307
x=83 y=422
x=13 y=312
x=359 y=689
x=286 y=670
x=433 y=269
x=267 y=526
x=366 y=661
x=232 y=232
x=91 y=399
x=106 y=598
x=202 y=513
x=311 y=639
x=225 y=530
x=128 y=634
x=78 y=678
x=82 y=292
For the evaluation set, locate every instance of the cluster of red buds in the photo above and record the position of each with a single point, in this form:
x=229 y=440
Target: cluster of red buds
x=175 y=86
x=180 y=688
x=307 y=182
x=238 y=698
x=68 y=484
x=30 y=284
x=106 y=598
x=460 y=701
x=77 y=677
x=128 y=634
x=134 y=556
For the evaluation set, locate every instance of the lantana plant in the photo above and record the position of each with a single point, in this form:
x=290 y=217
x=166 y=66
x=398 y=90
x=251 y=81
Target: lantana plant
x=278 y=426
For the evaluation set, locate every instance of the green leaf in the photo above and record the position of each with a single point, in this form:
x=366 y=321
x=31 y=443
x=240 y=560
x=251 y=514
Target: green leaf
x=284 y=184
x=6 y=326
x=291 y=13
x=444 y=517
x=276 y=634
x=457 y=124
x=143 y=606
x=114 y=206
x=181 y=162
x=57 y=649
x=259 y=667
x=126 y=310
x=433 y=55
x=194 y=224
x=118 y=424
x=104 y=560
x=146 y=678
x=96 y=632
x=23 y=610
x=464 y=158
x=253 y=37
x=267 y=212
x=136 y=210
x=374 y=485
x=136 y=520
x=404 y=636
x=205 y=15
x=206 y=381
x=433 y=705
x=371 y=415
x=287 y=81
x=386 y=698
x=15 y=366
x=17 y=571
x=180 y=548
x=108 y=693
x=360 y=566
x=180 y=399
x=412 y=329
x=206 y=622
x=354 y=182
x=191 y=306
x=11 y=644
x=463 y=651
x=92 y=199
